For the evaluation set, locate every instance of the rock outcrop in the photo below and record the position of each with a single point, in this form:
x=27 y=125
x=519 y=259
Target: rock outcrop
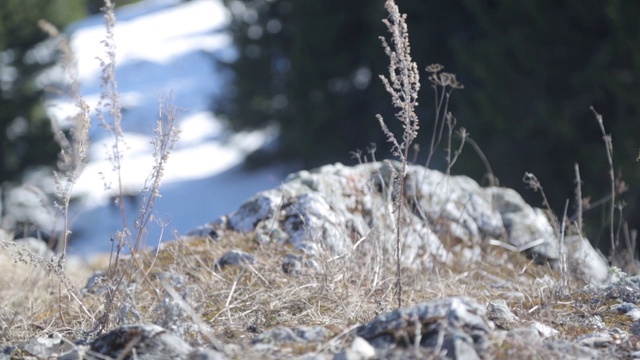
x=335 y=208
x=337 y=211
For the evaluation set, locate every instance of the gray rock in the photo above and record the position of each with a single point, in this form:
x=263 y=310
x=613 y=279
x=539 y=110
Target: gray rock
x=543 y=330
x=625 y=308
x=635 y=328
x=527 y=335
x=456 y=325
x=279 y=336
x=585 y=262
x=329 y=209
x=531 y=342
x=361 y=348
x=267 y=233
x=79 y=353
x=501 y=315
x=206 y=354
x=525 y=225
x=458 y=199
x=235 y=258
x=149 y=342
x=258 y=208
x=568 y=351
x=295 y=265
x=348 y=354
x=212 y=230
x=631 y=310
x=332 y=208
x=43 y=347
x=596 y=340
x=311 y=220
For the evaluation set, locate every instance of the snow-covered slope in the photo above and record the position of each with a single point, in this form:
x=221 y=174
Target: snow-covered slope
x=162 y=46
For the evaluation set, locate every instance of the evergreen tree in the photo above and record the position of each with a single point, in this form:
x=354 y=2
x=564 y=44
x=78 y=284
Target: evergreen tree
x=25 y=131
x=311 y=68
x=531 y=71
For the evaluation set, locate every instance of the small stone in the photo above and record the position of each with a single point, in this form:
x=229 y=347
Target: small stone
x=213 y=230
x=544 y=330
x=596 y=340
x=631 y=310
x=279 y=336
x=362 y=347
x=291 y=264
x=527 y=335
x=501 y=315
x=148 y=342
x=455 y=324
x=635 y=328
x=206 y=354
x=294 y=265
x=46 y=346
x=258 y=208
x=235 y=258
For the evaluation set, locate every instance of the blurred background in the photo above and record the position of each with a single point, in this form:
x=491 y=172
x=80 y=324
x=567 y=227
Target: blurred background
x=308 y=71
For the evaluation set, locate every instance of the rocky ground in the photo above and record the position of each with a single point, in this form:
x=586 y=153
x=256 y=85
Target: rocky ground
x=308 y=271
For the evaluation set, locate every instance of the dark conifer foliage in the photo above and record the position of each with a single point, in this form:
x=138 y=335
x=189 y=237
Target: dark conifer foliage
x=25 y=131
x=310 y=68
x=531 y=70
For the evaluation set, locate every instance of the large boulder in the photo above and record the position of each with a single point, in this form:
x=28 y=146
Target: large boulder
x=336 y=208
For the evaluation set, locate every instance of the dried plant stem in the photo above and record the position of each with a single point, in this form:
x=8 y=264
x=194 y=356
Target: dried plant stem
x=489 y=174
x=226 y=305
x=73 y=153
x=72 y=158
x=532 y=181
x=609 y=149
x=564 y=271
x=165 y=137
x=112 y=124
x=443 y=85
x=579 y=209
x=399 y=223
x=403 y=85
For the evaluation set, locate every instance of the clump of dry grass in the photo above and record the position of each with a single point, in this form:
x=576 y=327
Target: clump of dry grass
x=118 y=294
x=166 y=134
x=34 y=304
x=73 y=151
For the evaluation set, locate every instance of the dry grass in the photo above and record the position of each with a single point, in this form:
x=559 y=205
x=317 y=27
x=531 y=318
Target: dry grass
x=31 y=295
x=180 y=287
x=236 y=303
x=97 y=312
